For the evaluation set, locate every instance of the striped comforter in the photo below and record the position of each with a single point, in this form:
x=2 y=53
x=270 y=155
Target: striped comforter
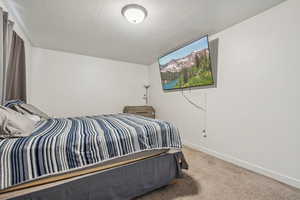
x=60 y=145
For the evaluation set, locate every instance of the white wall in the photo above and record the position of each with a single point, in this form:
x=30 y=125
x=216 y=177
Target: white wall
x=28 y=46
x=66 y=84
x=253 y=116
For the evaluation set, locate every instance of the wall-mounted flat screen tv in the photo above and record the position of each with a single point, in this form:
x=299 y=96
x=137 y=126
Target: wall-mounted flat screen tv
x=189 y=66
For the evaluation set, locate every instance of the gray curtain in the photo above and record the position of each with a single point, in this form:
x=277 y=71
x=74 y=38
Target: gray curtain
x=16 y=72
x=6 y=29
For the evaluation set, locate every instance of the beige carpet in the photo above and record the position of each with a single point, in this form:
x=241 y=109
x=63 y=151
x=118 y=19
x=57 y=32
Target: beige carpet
x=210 y=178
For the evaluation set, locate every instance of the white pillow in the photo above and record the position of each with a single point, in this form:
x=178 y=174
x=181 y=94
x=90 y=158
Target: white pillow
x=30 y=109
x=14 y=124
x=34 y=118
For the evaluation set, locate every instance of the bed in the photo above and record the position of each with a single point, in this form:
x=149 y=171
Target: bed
x=66 y=148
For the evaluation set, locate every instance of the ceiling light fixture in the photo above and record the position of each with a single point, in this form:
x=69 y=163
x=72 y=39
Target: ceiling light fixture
x=134 y=13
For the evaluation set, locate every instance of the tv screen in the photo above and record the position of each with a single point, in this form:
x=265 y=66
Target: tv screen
x=189 y=66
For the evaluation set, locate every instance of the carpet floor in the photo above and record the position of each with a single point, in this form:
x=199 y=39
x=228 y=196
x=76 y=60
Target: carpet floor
x=210 y=178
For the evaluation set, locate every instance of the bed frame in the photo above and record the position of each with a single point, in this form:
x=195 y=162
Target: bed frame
x=121 y=182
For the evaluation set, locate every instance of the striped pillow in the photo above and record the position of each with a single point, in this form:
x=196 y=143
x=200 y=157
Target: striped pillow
x=25 y=109
x=12 y=103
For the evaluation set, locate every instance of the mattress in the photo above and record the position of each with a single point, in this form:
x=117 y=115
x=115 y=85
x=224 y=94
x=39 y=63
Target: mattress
x=54 y=180
x=64 y=145
x=149 y=174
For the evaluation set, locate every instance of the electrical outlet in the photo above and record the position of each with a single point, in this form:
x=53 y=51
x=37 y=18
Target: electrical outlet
x=204 y=133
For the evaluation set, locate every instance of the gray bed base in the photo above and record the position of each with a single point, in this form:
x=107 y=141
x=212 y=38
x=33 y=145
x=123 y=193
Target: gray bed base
x=120 y=183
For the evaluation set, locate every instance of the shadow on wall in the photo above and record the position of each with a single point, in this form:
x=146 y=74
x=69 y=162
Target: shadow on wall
x=214 y=50
x=185 y=186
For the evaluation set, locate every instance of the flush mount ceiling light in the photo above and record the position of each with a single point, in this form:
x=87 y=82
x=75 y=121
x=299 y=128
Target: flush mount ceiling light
x=134 y=13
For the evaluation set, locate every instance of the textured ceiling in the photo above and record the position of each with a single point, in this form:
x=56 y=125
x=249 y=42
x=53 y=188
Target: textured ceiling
x=97 y=28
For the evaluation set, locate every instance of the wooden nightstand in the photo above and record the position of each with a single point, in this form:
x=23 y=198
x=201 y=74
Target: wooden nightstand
x=146 y=111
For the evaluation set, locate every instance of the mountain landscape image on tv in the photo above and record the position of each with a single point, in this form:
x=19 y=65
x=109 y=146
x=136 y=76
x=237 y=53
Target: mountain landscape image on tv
x=189 y=66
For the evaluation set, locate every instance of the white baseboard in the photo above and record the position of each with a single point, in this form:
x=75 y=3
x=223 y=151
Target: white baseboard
x=258 y=169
